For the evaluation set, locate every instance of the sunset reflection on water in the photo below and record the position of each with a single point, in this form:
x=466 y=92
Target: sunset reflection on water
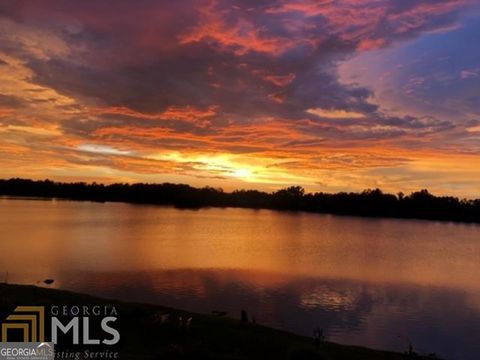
x=371 y=282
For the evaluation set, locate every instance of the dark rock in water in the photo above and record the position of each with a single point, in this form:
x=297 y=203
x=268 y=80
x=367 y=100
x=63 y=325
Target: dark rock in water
x=48 y=281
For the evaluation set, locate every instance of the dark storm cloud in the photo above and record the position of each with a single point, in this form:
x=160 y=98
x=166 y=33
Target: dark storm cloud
x=150 y=55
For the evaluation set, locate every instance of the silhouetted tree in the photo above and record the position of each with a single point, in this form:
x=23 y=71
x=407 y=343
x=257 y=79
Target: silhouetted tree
x=370 y=202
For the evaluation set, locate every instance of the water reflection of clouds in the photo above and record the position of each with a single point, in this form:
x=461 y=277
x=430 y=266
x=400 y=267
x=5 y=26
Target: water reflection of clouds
x=380 y=315
x=68 y=236
x=324 y=297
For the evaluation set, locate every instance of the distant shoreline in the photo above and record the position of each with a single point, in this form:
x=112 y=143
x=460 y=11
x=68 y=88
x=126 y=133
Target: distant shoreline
x=210 y=336
x=370 y=203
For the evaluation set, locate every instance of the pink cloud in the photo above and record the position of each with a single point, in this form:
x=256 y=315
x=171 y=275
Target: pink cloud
x=241 y=36
x=470 y=73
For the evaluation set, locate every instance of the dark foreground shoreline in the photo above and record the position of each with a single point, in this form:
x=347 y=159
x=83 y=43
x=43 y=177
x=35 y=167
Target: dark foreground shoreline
x=369 y=203
x=143 y=336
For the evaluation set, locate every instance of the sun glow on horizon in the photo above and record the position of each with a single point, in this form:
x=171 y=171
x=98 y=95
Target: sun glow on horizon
x=243 y=173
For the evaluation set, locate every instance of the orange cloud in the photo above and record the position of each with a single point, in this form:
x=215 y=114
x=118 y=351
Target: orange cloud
x=371 y=44
x=281 y=80
x=186 y=113
x=335 y=113
x=242 y=36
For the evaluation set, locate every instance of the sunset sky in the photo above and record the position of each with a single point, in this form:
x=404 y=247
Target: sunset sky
x=330 y=95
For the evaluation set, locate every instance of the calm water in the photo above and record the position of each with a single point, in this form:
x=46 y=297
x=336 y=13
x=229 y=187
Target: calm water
x=372 y=282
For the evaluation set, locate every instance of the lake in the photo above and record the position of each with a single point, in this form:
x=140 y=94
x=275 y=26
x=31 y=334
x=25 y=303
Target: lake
x=380 y=283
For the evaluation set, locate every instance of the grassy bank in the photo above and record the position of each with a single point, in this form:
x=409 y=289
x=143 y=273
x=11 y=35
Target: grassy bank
x=144 y=334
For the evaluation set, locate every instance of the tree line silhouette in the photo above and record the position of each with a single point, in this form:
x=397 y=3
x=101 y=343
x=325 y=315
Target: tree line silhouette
x=372 y=203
